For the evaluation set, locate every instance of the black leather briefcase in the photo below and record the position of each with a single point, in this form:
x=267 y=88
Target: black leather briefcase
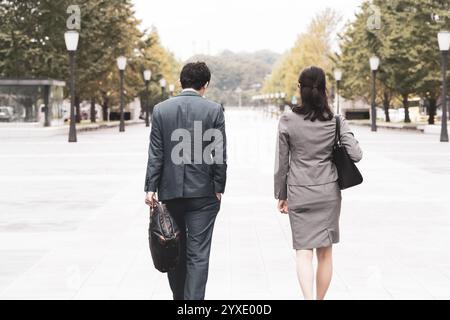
x=164 y=239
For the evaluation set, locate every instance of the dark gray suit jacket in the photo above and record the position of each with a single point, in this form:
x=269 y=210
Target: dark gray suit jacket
x=178 y=172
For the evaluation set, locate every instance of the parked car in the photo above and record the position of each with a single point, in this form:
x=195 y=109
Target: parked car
x=7 y=114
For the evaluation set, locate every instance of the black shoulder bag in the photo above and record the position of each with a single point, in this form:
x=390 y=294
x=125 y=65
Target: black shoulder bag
x=164 y=239
x=349 y=175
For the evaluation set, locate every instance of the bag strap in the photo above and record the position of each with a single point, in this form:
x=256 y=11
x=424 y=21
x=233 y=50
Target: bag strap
x=337 y=138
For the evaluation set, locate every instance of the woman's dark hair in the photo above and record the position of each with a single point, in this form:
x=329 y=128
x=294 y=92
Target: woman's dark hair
x=313 y=90
x=195 y=75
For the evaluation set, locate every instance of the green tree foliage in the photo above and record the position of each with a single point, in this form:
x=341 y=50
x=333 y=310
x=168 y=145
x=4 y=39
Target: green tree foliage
x=29 y=45
x=312 y=47
x=32 y=45
x=231 y=71
x=405 y=41
x=358 y=43
x=162 y=63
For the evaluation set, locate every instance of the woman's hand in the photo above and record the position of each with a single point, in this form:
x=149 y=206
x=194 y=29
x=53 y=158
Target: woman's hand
x=283 y=206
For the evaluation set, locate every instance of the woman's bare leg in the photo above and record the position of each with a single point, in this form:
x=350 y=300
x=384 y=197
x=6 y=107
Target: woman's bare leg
x=324 y=271
x=305 y=273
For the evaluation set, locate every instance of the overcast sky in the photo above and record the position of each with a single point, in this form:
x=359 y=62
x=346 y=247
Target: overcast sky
x=210 y=26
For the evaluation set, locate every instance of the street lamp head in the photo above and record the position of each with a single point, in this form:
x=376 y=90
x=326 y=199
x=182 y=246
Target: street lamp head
x=338 y=74
x=122 y=63
x=444 y=40
x=163 y=83
x=147 y=75
x=172 y=88
x=71 y=38
x=277 y=95
x=374 y=63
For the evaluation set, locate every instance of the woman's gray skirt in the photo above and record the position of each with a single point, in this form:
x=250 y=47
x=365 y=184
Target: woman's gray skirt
x=314 y=213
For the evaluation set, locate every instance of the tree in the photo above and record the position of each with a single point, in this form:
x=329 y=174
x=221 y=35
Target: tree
x=398 y=50
x=406 y=44
x=311 y=48
x=152 y=55
x=358 y=43
x=231 y=71
x=32 y=45
x=29 y=43
x=425 y=29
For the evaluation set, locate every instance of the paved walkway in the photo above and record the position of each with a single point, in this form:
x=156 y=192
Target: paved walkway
x=73 y=224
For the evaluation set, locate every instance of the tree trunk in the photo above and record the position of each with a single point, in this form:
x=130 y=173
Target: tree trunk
x=406 y=106
x=105 y=108
x=93 y=113
x=432 y=110
x=143 y=105
x=386 y=104
x=78 y=109
x=143 y=100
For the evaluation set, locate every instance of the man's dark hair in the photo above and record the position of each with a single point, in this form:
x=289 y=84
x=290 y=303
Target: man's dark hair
x=195 y=75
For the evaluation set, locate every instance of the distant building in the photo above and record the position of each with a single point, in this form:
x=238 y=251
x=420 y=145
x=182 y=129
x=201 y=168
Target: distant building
x=32 y=101
x=355 y=109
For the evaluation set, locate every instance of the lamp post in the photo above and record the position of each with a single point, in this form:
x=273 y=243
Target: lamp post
x=163 y=84
x=239 y=92
x=147 y=78
x=283 y=101
x=47 y=122
x=374 y=64
x=172 y=90
x=277 y=100
x=338 y=78
x=444 y=46
x=71 y=38
x=122 y=64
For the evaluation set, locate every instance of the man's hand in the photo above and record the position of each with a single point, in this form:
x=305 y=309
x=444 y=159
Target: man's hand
x=219 y=196
x=283 y=206
x=150 y=199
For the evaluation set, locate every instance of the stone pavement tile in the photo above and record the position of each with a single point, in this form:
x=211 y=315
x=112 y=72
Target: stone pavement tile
x=436 y=283
x=88 y=237
x=72 y=261
x=137 y=282
x=16 y=262
x=160 y=289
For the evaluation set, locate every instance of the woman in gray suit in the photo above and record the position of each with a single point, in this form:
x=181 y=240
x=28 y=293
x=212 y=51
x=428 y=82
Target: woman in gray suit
x=306 y=179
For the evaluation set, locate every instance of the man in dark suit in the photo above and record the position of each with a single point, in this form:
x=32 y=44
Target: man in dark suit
x=187 y=169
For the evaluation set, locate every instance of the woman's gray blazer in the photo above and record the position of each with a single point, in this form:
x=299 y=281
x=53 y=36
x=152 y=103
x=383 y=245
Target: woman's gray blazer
x=304 y=153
